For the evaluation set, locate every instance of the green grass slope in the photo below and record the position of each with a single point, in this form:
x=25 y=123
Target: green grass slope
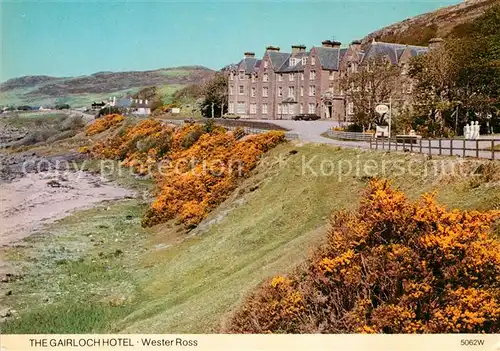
x=83 y=90
x=110 y=275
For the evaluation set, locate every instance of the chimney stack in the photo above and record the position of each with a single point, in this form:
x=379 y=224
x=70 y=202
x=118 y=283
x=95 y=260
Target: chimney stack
x=356 y=45
x=435 y=43
x=331 y=44
x=249 y=54
x=298 y=48
x=273 y=48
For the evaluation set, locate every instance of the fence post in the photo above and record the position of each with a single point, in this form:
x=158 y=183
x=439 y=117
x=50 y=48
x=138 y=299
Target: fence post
x=451 y=147
x=463 y=151
x=477 y=148
x=370 y=143
x=383 y=144
x=430 y=146
x=420 y=141
x=440 y=148
x=376 y=143
x=404 y=142
x=492 y=149
x=411 y=145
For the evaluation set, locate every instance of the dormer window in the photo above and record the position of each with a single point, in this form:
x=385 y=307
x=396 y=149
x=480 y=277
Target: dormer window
x=304 y=61
x=242 y=75
x=291 y=77
x=293 y=61
x=266 y=64
x=231 y=76
x=313 y=60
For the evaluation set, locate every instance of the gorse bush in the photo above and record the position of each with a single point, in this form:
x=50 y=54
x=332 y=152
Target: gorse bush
x=197 y=179
x=195 y=167
x=391 y=267
x=104 y=123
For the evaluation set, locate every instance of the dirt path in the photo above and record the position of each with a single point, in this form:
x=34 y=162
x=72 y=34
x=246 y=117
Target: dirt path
x=28 y=203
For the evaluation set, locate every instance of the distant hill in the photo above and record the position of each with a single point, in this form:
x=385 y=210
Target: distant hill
x=80 y=91
x=420 y=29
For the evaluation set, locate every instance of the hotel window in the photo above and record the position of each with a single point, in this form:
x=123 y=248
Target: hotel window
x=266 y=77
x=304 y=61
x=350 y=108
x=231 y=76
x=266 y=64
x=291 y=77
x=230 y=90
x=241 y=107
x=332 y=75
x=301 y=91
x=313 y=60
x=253 y=92
x=312 y=108
x=242 y=90
x=291 y=92
x=264 y=91
x=280 y=77
x=330 y=89
x=254 y=78
x=301 y=75
x=285 y=109
x=242 y=75
x=312 y=90
x=293 y=61
x=280 y=91
x=253 y=109
x=231 y=107
x=264 y=109
x=280 y=109
x=312 y=75
x=301 y=108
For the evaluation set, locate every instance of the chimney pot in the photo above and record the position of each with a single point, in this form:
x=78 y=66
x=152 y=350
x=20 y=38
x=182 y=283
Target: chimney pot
x=249 y=54
x=356 y=45
x=273 y=48
x=298 y=48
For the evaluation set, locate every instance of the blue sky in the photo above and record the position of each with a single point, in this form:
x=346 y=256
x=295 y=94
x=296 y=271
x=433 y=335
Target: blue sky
x=71 y=38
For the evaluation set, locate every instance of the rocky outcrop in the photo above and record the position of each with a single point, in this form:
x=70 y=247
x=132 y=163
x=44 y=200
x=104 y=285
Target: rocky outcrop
x=420 y=29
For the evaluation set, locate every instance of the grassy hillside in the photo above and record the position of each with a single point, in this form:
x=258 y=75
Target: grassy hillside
x=420 y=29
x=81 y=91
x=107 y=274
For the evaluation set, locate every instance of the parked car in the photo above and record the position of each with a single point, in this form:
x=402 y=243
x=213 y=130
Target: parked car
x=189 y=120
x=231 y=116
x=306 y=117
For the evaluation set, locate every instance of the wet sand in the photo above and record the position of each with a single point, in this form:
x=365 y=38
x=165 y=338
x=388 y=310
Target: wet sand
x=37 y=199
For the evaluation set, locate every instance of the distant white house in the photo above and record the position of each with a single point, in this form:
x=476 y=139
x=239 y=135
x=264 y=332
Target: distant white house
x=134 y=106
x=43 y=109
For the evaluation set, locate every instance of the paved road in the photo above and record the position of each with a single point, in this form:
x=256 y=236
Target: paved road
x=311 y=131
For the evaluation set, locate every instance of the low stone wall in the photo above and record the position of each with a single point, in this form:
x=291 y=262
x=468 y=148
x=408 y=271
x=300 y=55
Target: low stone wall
x=349 y=135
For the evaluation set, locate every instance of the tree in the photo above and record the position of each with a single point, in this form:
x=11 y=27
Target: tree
x=375 y=82
x=215 y=96
x=459 y=80
x=62 y=107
